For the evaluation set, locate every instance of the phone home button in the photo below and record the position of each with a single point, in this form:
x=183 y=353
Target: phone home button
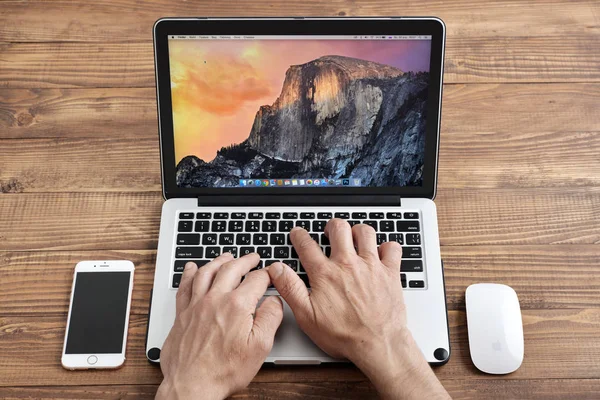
x=92 y=360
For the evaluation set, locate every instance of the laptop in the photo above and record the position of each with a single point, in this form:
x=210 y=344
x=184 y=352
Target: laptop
x=270 y=123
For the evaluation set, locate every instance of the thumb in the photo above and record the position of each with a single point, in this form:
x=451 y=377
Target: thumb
x=267 y=319
x=291 y=288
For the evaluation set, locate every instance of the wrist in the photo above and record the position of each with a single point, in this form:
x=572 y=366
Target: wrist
x=173 y=390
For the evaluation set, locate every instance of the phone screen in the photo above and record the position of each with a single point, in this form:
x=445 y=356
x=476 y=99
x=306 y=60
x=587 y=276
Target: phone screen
x=98 y=313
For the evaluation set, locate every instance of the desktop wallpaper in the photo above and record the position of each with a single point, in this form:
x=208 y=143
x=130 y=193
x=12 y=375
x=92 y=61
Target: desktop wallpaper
x=329 y=109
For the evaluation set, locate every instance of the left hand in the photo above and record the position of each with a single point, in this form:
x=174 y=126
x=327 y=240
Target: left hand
x=219 y=339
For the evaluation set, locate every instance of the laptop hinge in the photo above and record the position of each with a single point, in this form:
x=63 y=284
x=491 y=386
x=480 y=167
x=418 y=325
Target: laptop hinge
x=299 y=200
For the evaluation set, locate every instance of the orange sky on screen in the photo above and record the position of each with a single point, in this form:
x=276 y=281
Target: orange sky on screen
x=218 y=86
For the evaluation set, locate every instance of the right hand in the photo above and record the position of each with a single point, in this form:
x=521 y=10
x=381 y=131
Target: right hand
x=356 y=309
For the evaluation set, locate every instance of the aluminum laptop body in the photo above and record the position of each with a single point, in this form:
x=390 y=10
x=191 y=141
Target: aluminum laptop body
x=270 y=123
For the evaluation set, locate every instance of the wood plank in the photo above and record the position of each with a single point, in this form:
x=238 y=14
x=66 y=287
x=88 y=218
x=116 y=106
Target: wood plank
x=553 y=349
x=543 y=389
x=121 y=221
x=118 y=21
x=571 y=58
x=507 y=147
x=545 y=277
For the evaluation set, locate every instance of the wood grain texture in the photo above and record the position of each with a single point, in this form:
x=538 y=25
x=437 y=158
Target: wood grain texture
x=552 y=340
x=510 y=145
x=546 y=277
x=522 y=59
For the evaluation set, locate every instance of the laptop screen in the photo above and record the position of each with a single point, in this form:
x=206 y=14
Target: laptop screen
x=299 y=111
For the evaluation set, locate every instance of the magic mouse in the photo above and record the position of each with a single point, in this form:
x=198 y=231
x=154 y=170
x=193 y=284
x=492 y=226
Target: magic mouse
x=495 y=328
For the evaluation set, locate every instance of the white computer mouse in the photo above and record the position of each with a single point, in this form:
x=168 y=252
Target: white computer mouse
x=495 y=328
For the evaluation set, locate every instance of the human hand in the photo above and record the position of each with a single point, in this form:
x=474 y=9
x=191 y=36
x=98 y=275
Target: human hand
x=219 y=339
x=355 y=309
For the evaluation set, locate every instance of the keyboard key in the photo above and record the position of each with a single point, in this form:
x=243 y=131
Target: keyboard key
x=188 y=252
x=238 y=215
x=324 y=215
x=394 y=215
x=304 y=278
x=219 y=226
x=202 y=226
x=293 y=264
x=221 y=215
x=269 y=262
x=281 y=252
x=386 y=226
x=411 y=266
x=314 y=236
x=342 y=215
x=231 y=249
x=353 y=222
x=226 y=239
x=269 y=226
x=411 y=215
x=236 y=226
x=209 y=238
x=416 y=284
x=307 y=215
x=359 y=215
x=286 y=225
x=243 y=238
x=396 y=237
x=328 y=251
x=273 y=215
x=290 y=215
x=180 y=264
x=212 y=252
x=260 y=238
x=324 y=240
x=381 y=238
x=185 y=226
x=246 y=250
x=176 y=280
x=300 y=267
x=318 y=226
x=413 y=238
x=277 y=239
x=294 y=253
x=411 y=252
x=252 y=226
x=255 y=215
x=376 y=215
x=188 y=238
x=304 y=224
x=372 y=224
x=403 y=280
x=203 y=215
x=186 y=215
x=407 y=226
x=264 y=252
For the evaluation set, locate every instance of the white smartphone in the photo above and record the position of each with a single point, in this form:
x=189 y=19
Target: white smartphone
x=96 y=332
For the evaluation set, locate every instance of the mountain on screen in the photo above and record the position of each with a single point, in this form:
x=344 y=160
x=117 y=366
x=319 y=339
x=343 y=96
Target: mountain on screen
x=335 y=117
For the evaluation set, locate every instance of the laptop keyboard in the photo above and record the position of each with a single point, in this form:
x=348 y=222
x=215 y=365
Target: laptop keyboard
x=202 y=236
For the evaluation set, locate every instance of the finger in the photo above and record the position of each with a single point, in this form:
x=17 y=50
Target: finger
x=254 y=286
x=205 y=275
x=390 y=254
x=308 y=250
x=366 y=241
x=267 y=319
x=340 y=236
x=230 y=274
x=292 y=289
x=184 y=293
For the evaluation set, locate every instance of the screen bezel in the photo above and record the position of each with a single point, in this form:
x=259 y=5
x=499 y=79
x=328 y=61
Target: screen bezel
x=298 y=26
x=105 y=360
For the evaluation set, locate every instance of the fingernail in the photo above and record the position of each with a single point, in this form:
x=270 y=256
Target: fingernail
x=189 y=265
x=276 y=269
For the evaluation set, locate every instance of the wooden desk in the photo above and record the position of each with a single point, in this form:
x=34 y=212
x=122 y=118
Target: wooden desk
x=518 y=194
